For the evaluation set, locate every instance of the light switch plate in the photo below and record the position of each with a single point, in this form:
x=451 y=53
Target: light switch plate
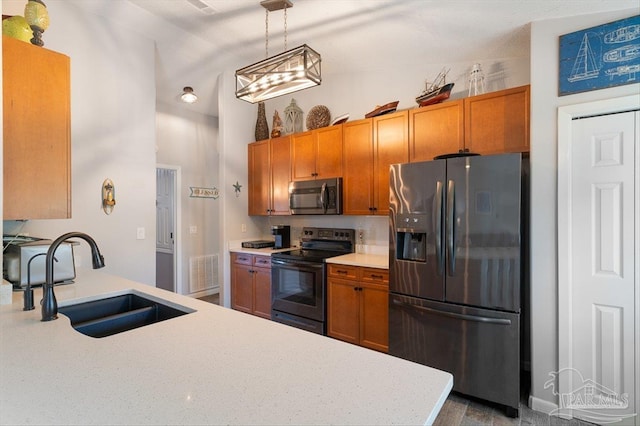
x=140 y=234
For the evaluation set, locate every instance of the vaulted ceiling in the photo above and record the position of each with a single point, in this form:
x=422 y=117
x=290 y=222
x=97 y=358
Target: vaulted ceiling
x=351 y=35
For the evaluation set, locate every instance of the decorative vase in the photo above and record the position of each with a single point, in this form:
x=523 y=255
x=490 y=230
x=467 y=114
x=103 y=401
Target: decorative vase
x=292 y=118
x=37 y=16
x=262 y=127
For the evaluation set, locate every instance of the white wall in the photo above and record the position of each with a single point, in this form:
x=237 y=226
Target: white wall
x=189 y=140
x=544 y=105
x=112 y=136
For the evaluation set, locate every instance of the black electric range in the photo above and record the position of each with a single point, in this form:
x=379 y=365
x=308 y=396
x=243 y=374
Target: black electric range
x=298 y=277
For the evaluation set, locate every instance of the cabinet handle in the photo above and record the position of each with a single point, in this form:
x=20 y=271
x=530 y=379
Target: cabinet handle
x=340 y=271
x=378 y=277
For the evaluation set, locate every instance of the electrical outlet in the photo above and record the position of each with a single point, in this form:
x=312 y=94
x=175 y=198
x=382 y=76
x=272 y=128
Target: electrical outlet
x=140 y=234
x=193 y=229
x=243 y=227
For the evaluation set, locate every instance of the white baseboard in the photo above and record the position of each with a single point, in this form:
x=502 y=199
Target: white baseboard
x=541 y=405
x=207 y=292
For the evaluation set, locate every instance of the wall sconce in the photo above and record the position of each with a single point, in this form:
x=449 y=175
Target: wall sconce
x=108 y=196
x=188 y=96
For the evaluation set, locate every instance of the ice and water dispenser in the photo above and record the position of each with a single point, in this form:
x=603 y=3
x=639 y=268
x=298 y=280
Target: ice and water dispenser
x=411 y=237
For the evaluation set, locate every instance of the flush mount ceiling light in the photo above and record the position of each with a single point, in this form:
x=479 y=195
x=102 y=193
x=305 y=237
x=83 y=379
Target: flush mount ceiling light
x=188 y=96
x=285 y=73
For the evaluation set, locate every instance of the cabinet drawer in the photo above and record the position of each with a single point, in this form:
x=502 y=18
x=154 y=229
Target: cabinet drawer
x=343 y=271
x=375 y=276
x=262 y=261
x=242 y=259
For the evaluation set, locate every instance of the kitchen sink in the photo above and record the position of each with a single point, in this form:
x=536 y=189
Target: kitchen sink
x=115 y=314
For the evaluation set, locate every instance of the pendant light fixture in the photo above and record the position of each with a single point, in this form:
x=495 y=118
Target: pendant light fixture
x=282 y=74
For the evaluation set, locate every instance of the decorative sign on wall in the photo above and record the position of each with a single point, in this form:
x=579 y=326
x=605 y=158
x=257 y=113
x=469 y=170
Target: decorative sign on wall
x=199 y=192
x=599 y=57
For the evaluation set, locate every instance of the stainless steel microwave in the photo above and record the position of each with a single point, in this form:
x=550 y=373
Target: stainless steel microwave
x=319 y=196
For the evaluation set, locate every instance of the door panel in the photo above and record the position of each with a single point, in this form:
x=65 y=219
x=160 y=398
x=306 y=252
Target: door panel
x=480 y=347
x=415 y=195
x=603 y=186
x=483 y=257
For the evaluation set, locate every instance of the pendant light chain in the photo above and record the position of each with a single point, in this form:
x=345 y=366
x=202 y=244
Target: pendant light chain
x=285 y=27
x=266 y=33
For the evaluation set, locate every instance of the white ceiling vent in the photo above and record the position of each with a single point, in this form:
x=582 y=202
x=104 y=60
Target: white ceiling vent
x=202 y=6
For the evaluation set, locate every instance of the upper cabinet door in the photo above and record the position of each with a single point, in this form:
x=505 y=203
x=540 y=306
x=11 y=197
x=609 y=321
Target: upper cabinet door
x=303 y=151
x=37 y=132
x=358 y=167
x=390 y=142
x=280 y=175
x=259 y=178
x=436 y=130
x=329 y=152
x=498 y=122
x=317 y=154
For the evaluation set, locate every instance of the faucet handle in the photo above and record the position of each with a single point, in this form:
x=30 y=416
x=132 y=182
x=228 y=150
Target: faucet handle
x=28 y=299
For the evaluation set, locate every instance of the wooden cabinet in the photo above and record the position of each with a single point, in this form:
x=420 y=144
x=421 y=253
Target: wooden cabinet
x=251 y=284
x=358 y=305
x=497 y=122
x=37 y=129
x=435 y=130
x=370 y=147
x=269 y=175
x=317 y=154
x=492 y=123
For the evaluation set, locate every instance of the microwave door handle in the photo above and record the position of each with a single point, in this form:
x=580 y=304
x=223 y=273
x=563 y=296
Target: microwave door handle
x=323 y=198
x=451 y=245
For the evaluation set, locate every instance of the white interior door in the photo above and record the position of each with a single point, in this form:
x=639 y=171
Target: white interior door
x=165 y=229
x=598 y=271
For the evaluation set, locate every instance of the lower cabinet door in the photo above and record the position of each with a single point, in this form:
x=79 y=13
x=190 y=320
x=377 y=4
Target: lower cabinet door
x=242 y=288
x=262 y=293
x=343 y=317
x=374 y=319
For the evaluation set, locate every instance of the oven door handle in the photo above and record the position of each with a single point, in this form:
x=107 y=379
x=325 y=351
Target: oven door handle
x=294 y=263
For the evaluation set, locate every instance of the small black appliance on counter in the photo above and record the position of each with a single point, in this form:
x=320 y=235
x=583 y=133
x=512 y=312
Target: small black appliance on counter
x=258 y=244
x=281 y=235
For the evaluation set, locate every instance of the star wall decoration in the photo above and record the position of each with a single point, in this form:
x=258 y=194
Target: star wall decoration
x=236 y=187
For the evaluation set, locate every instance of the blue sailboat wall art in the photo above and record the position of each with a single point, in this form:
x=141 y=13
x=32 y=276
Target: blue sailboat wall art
x=599 y=57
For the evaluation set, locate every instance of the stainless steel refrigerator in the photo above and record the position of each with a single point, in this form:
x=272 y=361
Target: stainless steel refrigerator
x=457 y=253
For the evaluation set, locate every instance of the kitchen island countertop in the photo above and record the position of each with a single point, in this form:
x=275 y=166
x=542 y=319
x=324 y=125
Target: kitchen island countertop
x=212 y=366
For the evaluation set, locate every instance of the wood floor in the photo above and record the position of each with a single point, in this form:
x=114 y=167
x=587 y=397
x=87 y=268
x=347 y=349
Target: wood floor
x=461 y=411
x=458 y=410
x=214 y=298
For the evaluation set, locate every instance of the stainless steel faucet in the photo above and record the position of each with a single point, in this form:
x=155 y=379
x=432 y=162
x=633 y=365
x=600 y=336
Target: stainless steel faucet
x=49 y=303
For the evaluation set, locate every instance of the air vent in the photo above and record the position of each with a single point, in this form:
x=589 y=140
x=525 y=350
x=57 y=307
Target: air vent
x=202 y=6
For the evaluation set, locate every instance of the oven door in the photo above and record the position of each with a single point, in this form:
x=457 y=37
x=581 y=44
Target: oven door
x=297 y=287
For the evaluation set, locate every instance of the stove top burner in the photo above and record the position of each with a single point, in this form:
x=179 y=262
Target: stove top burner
x=318 y=244
x=308 y=255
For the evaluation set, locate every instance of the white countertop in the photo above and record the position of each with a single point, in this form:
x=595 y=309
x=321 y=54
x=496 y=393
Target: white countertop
x=362 y=259
x=213 y=366
x=267 y=251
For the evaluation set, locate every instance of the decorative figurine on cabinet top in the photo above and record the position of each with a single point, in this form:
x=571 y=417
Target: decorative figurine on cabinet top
x=292 y=118
x=37 y=16
x=276 y=128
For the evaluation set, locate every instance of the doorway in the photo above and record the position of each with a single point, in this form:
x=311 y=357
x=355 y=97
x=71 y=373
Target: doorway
x=167 y=225
x=598 y=245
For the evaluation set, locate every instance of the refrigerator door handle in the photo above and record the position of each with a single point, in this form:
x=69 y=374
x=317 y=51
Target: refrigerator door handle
x=439 y=249
x=465 y=317
x=451 y=215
